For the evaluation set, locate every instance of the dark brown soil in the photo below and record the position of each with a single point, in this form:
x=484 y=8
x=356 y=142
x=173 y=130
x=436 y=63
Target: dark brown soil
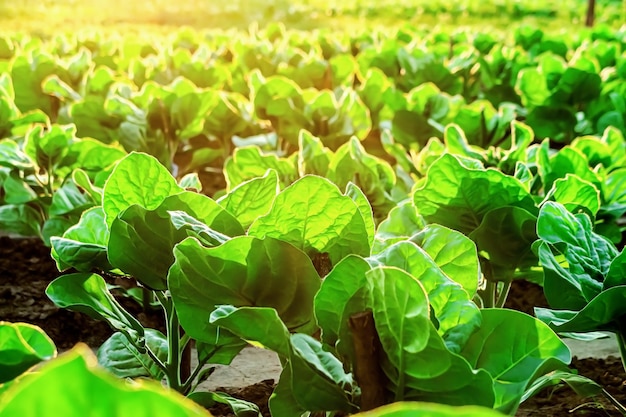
x=26 y=269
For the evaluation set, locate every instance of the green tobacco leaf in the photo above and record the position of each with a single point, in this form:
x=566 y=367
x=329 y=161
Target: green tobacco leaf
x=402 y=315
x=515 y=349
x=248 y=163
x=245 y=271
x=456 y=314
x=457 y=144
x=321 y=378
x=532 y=87
x=17 y=190
x=123 y=360
x=342 y=294
x=575 y=260
x=49 y=147
x=88 y=294
x=314 y=216
x=21 y=219
x=84 y=245
x=12 y=156
x=575 y=194
x=418 y=363
x=321 y=382
x=505 y=237
x=567 y=161
x=68 y=199
x=259 y=324
x=137 y=179
x=617 y=272
x=191 y=182
x=313 y=157
x=22 y=345
x=459 y=197
x=282 y=402
x=365 y=209
x=373 y=175
x=252 y=199
x=421 y=409
x=401 y=223
x=614 y=194
x=603 y=313
x=141 y=244
x=45 y=393
x=241 y=408
x=453 y=252
x=137 y=232
x=583 y=386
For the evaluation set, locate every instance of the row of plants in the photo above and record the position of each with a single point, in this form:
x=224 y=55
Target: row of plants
x=141 y=93
x=368 y=233
x=271 y=260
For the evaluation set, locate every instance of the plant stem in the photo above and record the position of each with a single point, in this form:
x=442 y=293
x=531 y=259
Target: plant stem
x=172 y=366
x=506 y=287
x=173 y=354
x=156 y=360
x=614 y=401
x=188 y=383
x=489 y=298
x=621 y=342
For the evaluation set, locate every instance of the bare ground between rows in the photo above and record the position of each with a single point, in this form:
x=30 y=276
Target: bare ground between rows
x=26 y=269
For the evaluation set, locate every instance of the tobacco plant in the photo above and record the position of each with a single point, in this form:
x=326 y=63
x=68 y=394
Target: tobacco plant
x=227 y=283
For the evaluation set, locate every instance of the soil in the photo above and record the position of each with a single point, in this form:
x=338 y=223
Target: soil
x=26 y=268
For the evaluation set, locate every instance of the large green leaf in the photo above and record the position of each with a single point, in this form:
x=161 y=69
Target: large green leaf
x=21 y=219
x=515 y=349
x=248 y=163
x=121 y=358
x=314 y=216
x=505 y=238
x=342 y=294
x=422 y=409
x=88 y=294
x=313 y=157
x=137 y=179
x=568 y=160
x=73 y=386
x=244 y=271
x=418 y=364
x=456 y=314
x=574 y=258
x=251 y=199
x=401 y=223
x=84 y=245
x=575 y=194
x=22 y=345
x=459 y=197
x=319 y=381
x=604 y=313
x=453 y=252
x=142 y=241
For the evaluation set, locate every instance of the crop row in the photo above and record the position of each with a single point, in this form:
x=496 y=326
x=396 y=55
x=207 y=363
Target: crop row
x=379 y=196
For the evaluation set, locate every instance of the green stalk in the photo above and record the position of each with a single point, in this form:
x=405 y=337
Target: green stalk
x=614 y=401
x=621 y=342
x=188 y=384
x=172 y=370
x=506 y=287
x=489 y=298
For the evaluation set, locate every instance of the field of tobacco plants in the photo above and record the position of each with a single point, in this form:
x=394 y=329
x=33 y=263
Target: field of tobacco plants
x=364 y=203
